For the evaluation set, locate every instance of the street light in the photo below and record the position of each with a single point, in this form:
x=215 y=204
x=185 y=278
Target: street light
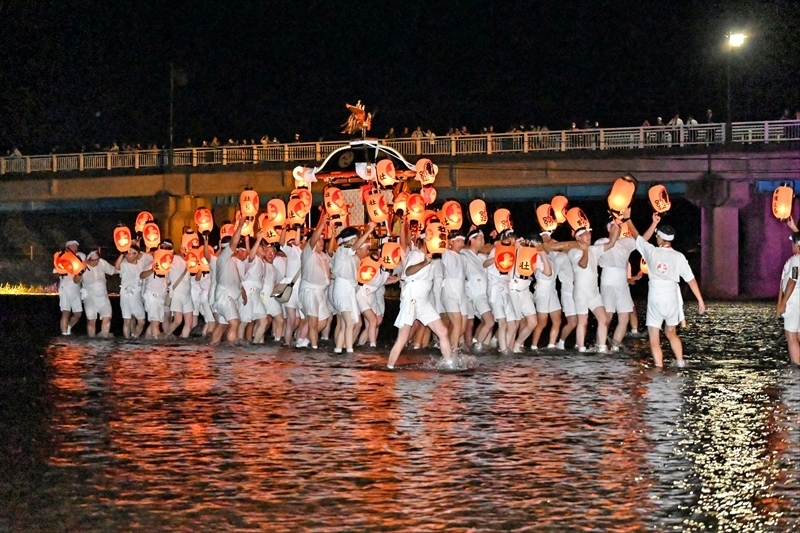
x=735 y=40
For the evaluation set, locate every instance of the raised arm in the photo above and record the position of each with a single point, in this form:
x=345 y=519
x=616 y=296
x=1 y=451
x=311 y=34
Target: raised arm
x=251 y=255
x=613 y=235
x=323 y=218
x=364 y=236
x=652 y=229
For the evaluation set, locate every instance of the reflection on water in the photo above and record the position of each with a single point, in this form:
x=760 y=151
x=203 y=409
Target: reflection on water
x=179 y=437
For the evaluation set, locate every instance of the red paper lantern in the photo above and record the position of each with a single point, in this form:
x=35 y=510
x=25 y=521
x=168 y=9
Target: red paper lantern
x=59 y=267
x=386 y=172
x=295 y=214
x=659 y=198
x=367 y=269
x=560 y=205
x=227 y=230
x=526 y=261
x=416 y=207
x=270 y=233
x=192 y=258
x=334 y=201
x=305 y=196
x=162 y=262
x=141 y=219
x=782 y=200
x=204 y=220
x=577 y=219
x=452 y=215
x=428 y=194
x=276 y=211
x=547 y=217
x=151 y=235
x=390 y=255
x=68 y=262
x=377 y=208
x=248 y=203
x=204 y=266
x=426 y=171
x=400 y=202
x=122 y=238
x=436 y=238
x=504 y=258
x=478 y=212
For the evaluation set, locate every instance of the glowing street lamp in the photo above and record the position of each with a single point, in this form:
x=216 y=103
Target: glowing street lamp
x=734 y=40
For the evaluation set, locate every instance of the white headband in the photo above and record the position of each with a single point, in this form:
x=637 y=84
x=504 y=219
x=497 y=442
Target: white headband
x=581 y=231
x=548 y=233
x=663 y=236
x=70 y=243
x=346 y=239
x=457 y=237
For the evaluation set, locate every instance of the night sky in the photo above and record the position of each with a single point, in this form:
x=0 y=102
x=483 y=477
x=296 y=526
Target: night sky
x=79 y=72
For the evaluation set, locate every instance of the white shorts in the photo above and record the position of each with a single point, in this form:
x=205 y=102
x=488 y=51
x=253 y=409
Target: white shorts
x=412 y=309
x=254 y=308
x=437 y=297
x=791 y=319
x=97 y=306
x=271 y=305
x=131 y=303
x=454 y=300
x=343 y=296
x=617 y=299
x=69 y=299
x=314 y=302
x=587 y=302
x=202 y=307
x=365 y=298
x=501 y=303
x=227 y=308
x=663 y=309
x=523 y=303
x=546 y=298
x=182 y=303
x=568 y=304
x=380 y=303
x=154 y=307
x=294 y=299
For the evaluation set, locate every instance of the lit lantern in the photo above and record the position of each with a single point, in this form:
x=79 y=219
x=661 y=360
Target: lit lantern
x=334 y=201
x=416 y=207
x=294 y=212
x=366 y=190
x=430 y=217
x=386 y=173
x=192 y=258
x=560 y=205
x=436 y=238
x=59 y=267
x=270 y=234
x=547 y=217
x=502 y=220
x=452 y=215
x=227 y=230
x=189 y=240
x=151 y=235
x=367 y=269
x=376 y=206
x=68 y=262
x=292 y=234
x=141 y=219
x=390 y=255
x=248 y=226
x=204 y=220
x=276 y=211
x=478 y=212
x=621 y=195
x=204 y=266
x=625 y=231
x=504 y=256
x=304 y=195
x=577 y=219
x=643 y=266
x=400 y=202
x=526 y=261
x=248 y=203
x=162 y=262
x=426 y=171
x=263 y=221
x=782 y=200
x=122 y=238
x=428 y=194
x=659 y=198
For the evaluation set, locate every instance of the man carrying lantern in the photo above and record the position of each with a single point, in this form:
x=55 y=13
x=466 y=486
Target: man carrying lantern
x=454 y=298
x=789 y=300
x=614 y=287
x=154 y=292
x=228 y=291
x=498 y=283
x=315 y=277
x=180 y=290
x=95 y=290
x=666 y=268
x=476 y=289
x=545 y=296
x=130 y=265
x=69 y=294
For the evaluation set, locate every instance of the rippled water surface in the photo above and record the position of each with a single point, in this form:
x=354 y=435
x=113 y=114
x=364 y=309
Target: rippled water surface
x=116 y=436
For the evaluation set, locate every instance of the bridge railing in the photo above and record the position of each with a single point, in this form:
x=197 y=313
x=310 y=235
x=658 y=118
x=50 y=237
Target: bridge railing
x=499 y=143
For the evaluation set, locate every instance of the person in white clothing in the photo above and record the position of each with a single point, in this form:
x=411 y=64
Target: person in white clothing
x=253 y=285
x=154 y=292
x=370 y=299
x=614 y=287
x=666 y=267
x=314 y=280
x=563 y=270
x=789 y=301
x=96 y=302
x=179 y=288
x=476 y=290
x=344 y=267
x=545 y=297
x=502 y=309
x=292 y=250
x=229 y=288
x=130 y=265
x=69 y=294
x=453 y=295
x=523 y=299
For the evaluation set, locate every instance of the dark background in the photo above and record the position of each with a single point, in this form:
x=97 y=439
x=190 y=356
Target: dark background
x=82 y=72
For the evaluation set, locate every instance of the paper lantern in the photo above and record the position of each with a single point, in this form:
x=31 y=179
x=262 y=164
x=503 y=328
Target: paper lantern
x=526 y=261
x=58 y=266
x=452 y=215
x=162 y=262
x=504 y=256
x=270 y=233
x=68 y=262
x=204 y=266
x=625 y=231
x=621 y=195
x=377 y=208
x=400 y=202
x=577 y=219
x=430 y=217
x=390 y=255
x=141 y=219
x=227 y=230
x=547 y=217
x=151 y=235
x=334 y=201
x=248 y=203
x=295 y=214
x=386 y=173
x=659 y=198
x=416 y=207
x=292 y=234
x=428 y=194
x=192 y=259
x=436 y=238
x=426 y=171
x=782 y=200
x=122 y=238
x=204 y=220
x=276 y=211
x=478 y=212
x=263 y=221
x=502 y=220
x=189 y=240
x=367 y=269
x=304 y=195
x=248 y=226
x=560 y=205
x=643 y=266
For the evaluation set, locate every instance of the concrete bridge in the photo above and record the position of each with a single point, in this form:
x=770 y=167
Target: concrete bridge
x=743 y=246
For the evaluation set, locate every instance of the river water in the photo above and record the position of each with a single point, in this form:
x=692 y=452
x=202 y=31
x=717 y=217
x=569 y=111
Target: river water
x=124 y=436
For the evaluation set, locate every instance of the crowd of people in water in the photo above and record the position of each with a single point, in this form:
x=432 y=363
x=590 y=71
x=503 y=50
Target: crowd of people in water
x=304 y=291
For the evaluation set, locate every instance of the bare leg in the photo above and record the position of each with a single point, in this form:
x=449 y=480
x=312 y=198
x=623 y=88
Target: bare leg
x=91 y=327
x=233 y=330
x=290 y=325
x=526 y=327
x=580 y=330
x=105 y=326
x=485 y=329
x=572 y=323
x=259 y=329
x=674 y=342
x=456 y=328
x=622 y=326
x=313 y=331
x=602 y=325
x=655 y=345
x=126 y=328
x=399 y=344
x=793 y=341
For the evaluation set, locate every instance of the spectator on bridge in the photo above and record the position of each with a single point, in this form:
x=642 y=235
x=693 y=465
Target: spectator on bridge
x=265 y=140
x=430 y=135
x=214 y=142
x=709 y=117
x=690 y=121
x=675 y=120
x=390 y=134
x=15 y=152
x=114 y=147
x=297 y=137
x=785 y=115
x=417 y=134
x=405 y=134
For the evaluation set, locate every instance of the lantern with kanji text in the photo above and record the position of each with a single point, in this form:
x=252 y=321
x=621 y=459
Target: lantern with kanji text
x=546 y=217
x=390 y=255
x=376 y=207
x=227 y=230
x=426 y=171
x=659 y=198
x=333 y=199
x=525 y=262
x=502 y=220
x=204 y=220
x=577 y=219
x=151 y=235
x=478 y=212
x=782 y=200
x=386 y=172
x=122 y=238
x=248 y=204
x=295 y=212
x=436 y=238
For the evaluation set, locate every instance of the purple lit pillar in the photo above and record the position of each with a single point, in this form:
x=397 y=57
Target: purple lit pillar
x=720 y=252
x=766 y=248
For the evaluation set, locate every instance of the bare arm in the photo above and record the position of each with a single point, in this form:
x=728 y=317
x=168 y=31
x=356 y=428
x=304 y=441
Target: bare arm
x=118 y=262
x=252 y=253
x=364 y=236
x=652 y=229
x=546 y=268
x=613 y=235
x=323 y=218
x=413 y=269
x=559 y=246
x=701 y=305
x=583 y=262
x=783 y=297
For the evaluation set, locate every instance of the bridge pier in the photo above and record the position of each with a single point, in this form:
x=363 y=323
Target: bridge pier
x=177 y=212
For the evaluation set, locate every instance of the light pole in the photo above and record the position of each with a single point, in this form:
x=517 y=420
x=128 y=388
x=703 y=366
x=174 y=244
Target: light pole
x=734 y=40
